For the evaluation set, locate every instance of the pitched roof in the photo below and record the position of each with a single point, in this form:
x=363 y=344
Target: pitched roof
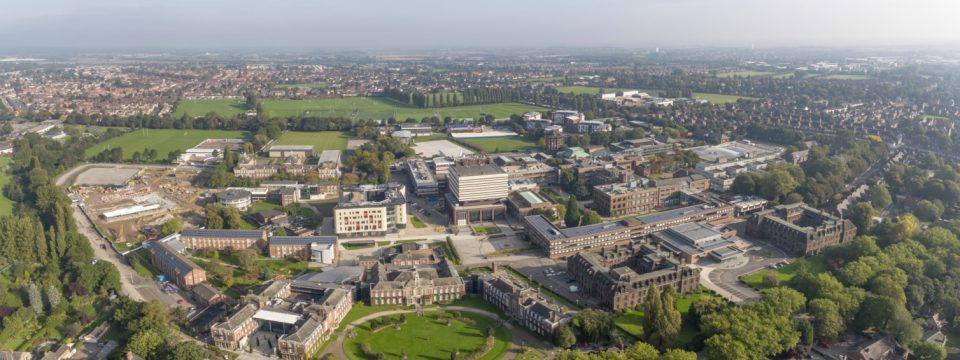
x=223 y=233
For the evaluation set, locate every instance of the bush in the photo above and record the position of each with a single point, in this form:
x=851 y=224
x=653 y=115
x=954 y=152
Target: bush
x=771 y=279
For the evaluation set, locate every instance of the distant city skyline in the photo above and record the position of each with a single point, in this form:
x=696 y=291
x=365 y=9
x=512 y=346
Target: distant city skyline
x=301 y=25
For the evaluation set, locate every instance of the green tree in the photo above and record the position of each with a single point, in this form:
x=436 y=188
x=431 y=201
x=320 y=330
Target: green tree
x=572 y=217
x=248 y=260
x=148 y=344
x=563 y=337
x=776 y=184
x=827 y=321
x=880 y=196
x=923 y=350
x=927 y=210
x=862 y=216
x=642 y=351
x=171 y=226
x=188 y=350
x=591 y=217
x=677 y=354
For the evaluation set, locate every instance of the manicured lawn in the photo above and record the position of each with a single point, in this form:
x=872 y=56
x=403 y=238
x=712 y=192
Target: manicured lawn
x=502 y=144
x=162 y=140
x=361 y=309
x=845 y=77
x=744 y=73
x=350 y=246
x=425 y=337
x=815 y=264
x=631 y=321
x=6 y=205
x=416 y=222
x=379 y=108
x=409 y=241
x=488 y=229
x=224 y=108
x=282 y=266
x=259 y=206
x=321 y=140
x=246 y=224
x=431 y=137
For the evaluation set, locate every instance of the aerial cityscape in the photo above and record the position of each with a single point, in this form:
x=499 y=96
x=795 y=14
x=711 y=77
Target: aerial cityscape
x=603 y=189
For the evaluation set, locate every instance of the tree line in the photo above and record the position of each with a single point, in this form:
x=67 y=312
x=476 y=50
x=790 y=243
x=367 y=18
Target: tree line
x=472 y=96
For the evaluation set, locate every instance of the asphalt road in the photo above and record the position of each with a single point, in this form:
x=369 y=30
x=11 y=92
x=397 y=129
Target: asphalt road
x=127 y=274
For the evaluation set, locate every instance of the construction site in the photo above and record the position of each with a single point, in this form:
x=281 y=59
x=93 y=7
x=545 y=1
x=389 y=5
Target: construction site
x=147 y=198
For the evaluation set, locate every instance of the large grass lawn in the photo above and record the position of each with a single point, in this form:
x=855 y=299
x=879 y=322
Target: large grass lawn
x=224 y=108
x=815 y=264
x=425 y=337
x=502 y=144
x=631 y=321
x=322 y=140
x=6 y=205
x=719 y=98
x=162 y=140
x=845 y=77
x=379 y=108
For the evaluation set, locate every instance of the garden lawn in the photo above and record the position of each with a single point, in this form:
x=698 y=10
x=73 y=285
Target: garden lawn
x=224 y=108
x=631 y=321
x=321 y=140
x=162 y=140
x=6 y=205
x=416 y=222
x=845 y=77
x=815 y=264
x=424 y=337
x=381 y=108
x=502 y=144
x=259 y=206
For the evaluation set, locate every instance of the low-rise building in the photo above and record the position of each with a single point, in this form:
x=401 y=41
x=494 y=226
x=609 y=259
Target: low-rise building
x=174 y=265
x=221 y=239
x=320 y=249
x=694 y=241
x=289 y=196
x=286 y=151
x=423 y=180
x=801 y=229
x=523 y=303
x=369 y=210
x=237 y=198
x=521 y=203
x=562 y=243
x=619 y=278
x=641 y=196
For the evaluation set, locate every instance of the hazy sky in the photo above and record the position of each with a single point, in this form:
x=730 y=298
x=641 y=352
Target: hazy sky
x=419 y=24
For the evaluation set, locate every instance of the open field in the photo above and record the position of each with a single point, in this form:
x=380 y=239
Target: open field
x=744 y=73
x=225 y=108
x=322 y=140
x=719 y=98
x=587 y=89
x=378 y=108
x=815 y=264
x=845 y=77
x=162 y=140
x=502 y=144
x=6 y=205
x=426 y=337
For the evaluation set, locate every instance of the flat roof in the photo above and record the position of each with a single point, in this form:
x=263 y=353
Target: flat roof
x=479 y=170
x=329 y=156
x=531 y=198
x=675 y=213
x=276 y=316
x=551 y=232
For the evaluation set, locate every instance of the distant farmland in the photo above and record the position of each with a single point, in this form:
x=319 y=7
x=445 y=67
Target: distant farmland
x=321 y=140
x=224 y=108
x=351 y=107
x=162 y=140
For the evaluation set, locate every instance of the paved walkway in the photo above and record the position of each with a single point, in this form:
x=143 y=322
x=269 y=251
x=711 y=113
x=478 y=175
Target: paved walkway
x=518 y=336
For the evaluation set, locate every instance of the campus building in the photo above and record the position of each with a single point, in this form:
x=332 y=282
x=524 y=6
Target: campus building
x=521 y=203
x=411 y=274
x=619 y=278
x=641 y=196
x=222 y=239
x=299 y=321
x=693 y=241
x=320 y=249
x=562 y=243
x=800 y=229
x=286 y=151
x=523 y=303
x=237 y=198
x=476 y=193
x=553 y=136
x=174 y=265
x=370 y=210
x=328 y=164
x=424 y=183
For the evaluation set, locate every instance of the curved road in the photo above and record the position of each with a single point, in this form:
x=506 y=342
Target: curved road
x=517 y=335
